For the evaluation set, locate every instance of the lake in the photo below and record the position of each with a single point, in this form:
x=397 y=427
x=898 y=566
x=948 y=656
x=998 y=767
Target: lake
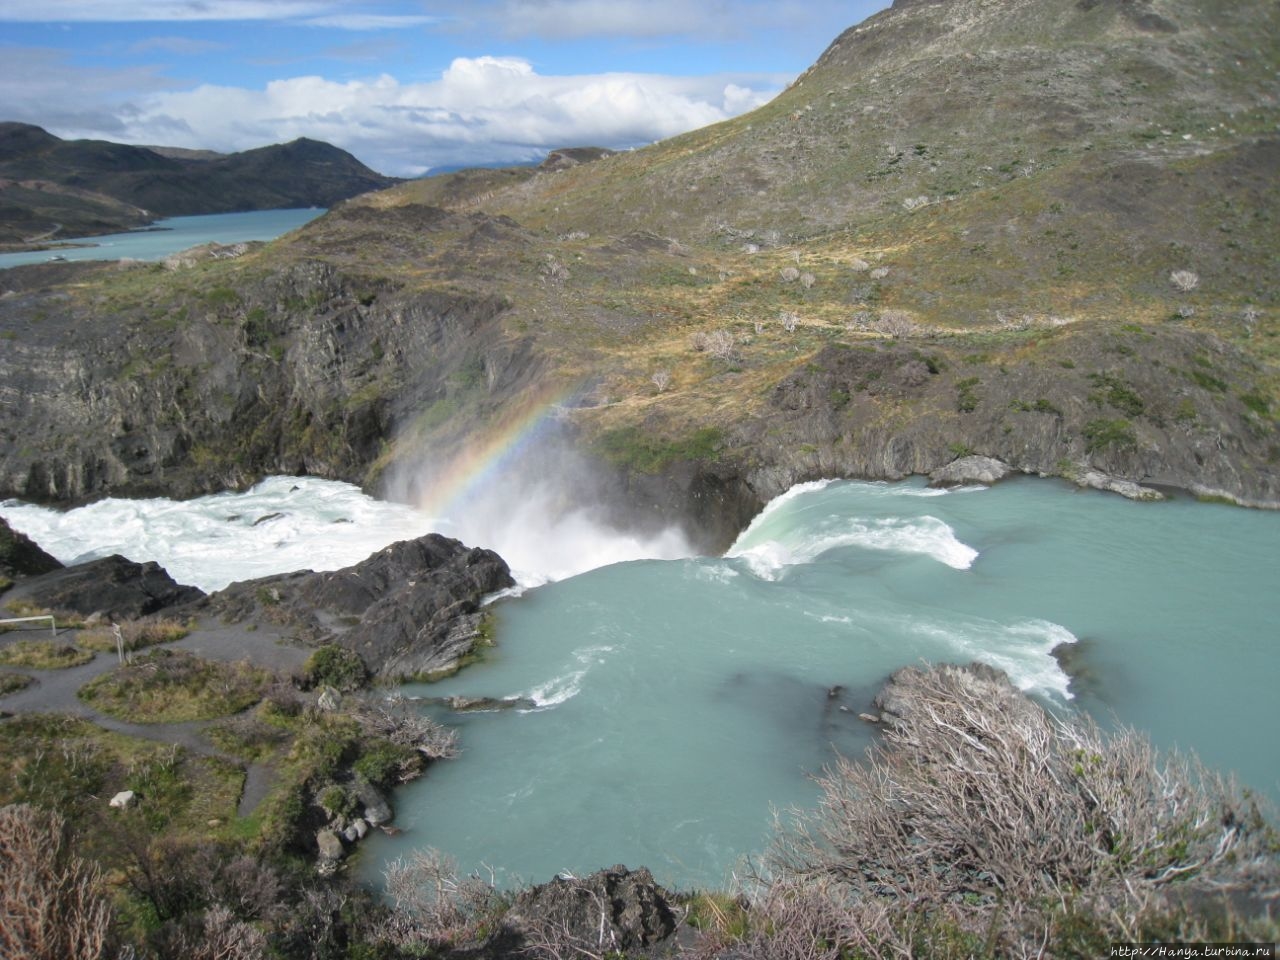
x=166 y=237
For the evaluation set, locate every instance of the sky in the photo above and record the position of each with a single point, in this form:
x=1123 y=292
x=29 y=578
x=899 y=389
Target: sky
x=407 y=86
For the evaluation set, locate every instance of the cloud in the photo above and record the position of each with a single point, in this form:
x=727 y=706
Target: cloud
x=481 y=110
x=571 y=19
x=183 y=46
x=370 y=21
x=130 y=11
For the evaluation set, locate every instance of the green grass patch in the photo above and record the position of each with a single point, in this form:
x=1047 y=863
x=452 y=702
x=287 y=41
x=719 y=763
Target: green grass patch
x=966 y=394
x=13 y=682
x=1113 y=391
x=136 y=635
x=43 y=655
x=172 y=686
x=1109 y=435
x=633 y=447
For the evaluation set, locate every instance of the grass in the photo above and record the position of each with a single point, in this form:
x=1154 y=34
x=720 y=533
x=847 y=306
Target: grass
x=13 y=682
x=136 y=634
x=75 y=766
x=172 y=686
x=43 y=655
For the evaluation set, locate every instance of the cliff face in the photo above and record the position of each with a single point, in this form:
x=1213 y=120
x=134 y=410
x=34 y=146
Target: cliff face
x=299 y=371
x=1042 y=231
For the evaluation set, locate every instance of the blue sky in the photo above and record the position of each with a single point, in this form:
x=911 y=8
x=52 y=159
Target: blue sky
x=405 y=85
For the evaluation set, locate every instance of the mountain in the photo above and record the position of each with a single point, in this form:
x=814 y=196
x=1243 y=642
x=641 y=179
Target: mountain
x=121 y=186
x=1039 y=231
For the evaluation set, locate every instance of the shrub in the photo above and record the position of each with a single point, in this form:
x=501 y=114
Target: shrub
x=337 y=667
x=661 y=379
x=985 y=820
x=50 y=900
x=433 y=905
x=1108 y=434
x=1184 y=280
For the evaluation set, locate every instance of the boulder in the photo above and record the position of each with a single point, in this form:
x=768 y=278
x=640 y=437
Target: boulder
x=124 y=800
x=376 y=809
x=113 y=586
x=329 y=846
x=1097 y=480
x=974 y=469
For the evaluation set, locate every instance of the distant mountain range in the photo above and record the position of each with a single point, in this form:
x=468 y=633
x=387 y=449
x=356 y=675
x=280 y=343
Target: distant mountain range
x=52 y=188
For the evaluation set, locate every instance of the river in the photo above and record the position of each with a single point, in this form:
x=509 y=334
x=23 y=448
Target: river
x=679 y=701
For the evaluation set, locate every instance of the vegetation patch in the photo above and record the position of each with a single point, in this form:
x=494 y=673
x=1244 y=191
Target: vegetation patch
x=12 y=682
x=134 y=635
x=1109 y=435
x=641 y=450
x=337 y=667
x=1112 y=391
x=172 y=686
x=43 y=655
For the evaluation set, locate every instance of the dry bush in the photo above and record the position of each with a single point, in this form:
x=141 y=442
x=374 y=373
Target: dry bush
x=895 y=323
x=720 y=344
x=661 y=379
x=397 y=720
x=1185 y=280
x=979 y=805
x=432 y=905
x=789 y=274
x=51 y=907
x=218 y=935
x=789 y=321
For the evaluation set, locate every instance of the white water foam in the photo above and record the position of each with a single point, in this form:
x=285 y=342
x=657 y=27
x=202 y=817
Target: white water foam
x=1023 y=650
x=281 y=525
x=286 y=524
x=568 y=685
x=927 y=536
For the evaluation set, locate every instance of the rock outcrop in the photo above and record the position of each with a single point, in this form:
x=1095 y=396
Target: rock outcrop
x=411 y=608
x=20 y=557
x=114 y=587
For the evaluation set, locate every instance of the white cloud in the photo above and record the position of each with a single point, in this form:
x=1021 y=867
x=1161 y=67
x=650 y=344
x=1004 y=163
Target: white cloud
x=130 y=11
x=629 y=18
x=369 y=21
x=481 y=110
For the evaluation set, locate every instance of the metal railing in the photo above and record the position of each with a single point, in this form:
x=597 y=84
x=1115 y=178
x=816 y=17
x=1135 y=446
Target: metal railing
x=53 y=627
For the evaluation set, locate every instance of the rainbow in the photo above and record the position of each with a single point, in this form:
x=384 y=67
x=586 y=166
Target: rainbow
x=488 y=453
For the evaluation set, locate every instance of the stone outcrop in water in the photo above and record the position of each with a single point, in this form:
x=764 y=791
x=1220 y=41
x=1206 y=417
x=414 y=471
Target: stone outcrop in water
x=409 y=609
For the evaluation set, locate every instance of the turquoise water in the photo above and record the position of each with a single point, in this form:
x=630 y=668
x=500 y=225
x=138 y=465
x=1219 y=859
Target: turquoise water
x=176 y=233
x=680 y=702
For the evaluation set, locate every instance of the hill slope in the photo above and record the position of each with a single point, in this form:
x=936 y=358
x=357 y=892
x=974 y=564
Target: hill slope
x=1038 y=230
x=143 y=182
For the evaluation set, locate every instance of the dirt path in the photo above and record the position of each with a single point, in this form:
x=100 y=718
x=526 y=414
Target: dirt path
x=55 y=690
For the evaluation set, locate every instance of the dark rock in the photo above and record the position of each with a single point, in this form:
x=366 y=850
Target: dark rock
x=411 y=608
x=113 y=586
x=482 y=704
x=612 y=911
x=20 y=557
